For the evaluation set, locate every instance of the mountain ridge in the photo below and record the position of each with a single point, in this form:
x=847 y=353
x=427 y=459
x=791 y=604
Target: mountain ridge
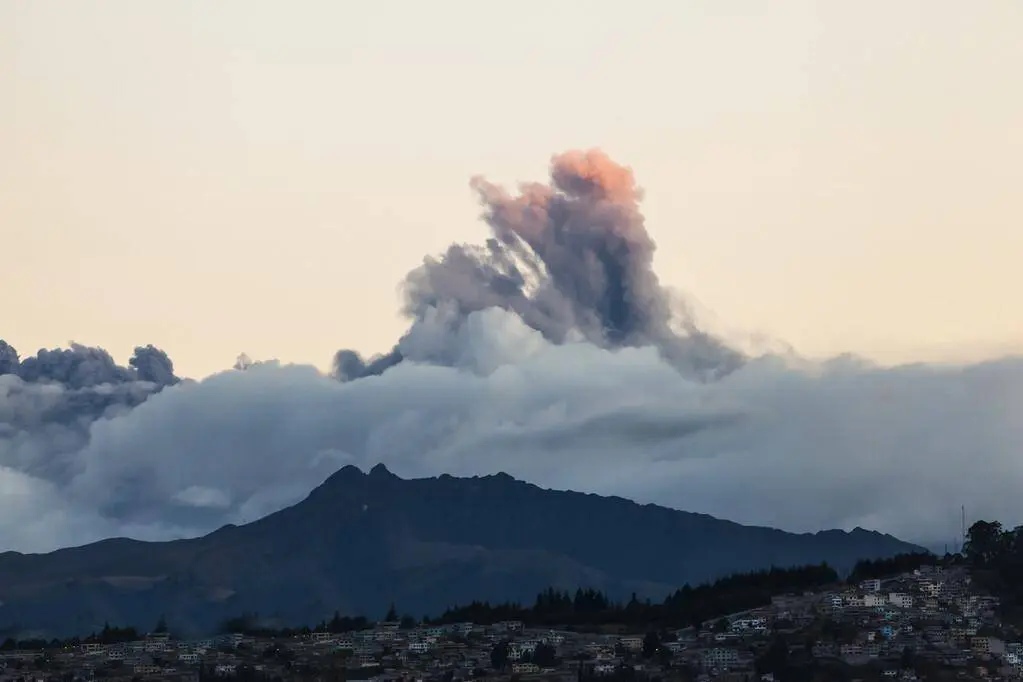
x=362 y=540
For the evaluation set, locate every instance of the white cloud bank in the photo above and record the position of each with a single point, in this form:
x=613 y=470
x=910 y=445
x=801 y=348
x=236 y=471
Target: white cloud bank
x=781 y=442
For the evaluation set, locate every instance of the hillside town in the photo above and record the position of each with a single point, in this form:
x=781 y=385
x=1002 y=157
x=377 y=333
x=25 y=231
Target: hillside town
x=927 y=624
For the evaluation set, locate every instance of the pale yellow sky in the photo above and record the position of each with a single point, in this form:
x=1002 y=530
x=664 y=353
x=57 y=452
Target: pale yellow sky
x=258 y=176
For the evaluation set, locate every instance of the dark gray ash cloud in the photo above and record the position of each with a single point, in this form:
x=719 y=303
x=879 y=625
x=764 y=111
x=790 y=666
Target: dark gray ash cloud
x=9 y=360
x=50 y=401
x=349 y=365
x=153 y=365
x=551 y=352
x=76 y=367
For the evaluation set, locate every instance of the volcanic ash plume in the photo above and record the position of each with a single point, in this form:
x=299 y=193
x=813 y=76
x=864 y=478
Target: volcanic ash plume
x=571 y=258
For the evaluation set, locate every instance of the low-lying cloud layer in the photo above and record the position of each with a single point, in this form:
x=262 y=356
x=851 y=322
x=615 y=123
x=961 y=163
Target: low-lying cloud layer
x=552 y=353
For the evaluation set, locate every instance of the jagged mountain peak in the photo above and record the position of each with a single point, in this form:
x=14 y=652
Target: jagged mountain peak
x=380 y=470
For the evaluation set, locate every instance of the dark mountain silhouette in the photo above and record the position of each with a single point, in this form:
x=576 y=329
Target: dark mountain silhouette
x=360 y=542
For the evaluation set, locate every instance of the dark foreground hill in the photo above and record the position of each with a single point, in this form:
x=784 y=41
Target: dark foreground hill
x=360 y=542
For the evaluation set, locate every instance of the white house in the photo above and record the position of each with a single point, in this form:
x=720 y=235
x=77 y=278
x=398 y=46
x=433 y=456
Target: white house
x=901 y=600
x=872 y=600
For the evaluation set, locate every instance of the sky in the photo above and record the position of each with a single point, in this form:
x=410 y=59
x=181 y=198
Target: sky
x=805 y=316
x=258 y=177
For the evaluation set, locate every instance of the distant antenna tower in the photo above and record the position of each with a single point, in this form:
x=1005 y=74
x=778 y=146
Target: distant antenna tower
x=964 y=525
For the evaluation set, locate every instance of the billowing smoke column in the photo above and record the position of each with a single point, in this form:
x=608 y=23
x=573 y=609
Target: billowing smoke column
x=572 y=259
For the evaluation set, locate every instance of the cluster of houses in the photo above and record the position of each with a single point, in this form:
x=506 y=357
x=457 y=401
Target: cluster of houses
x=888 y=625
x=931 y=611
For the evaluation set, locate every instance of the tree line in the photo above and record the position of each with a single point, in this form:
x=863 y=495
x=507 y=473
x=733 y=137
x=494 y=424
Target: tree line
x=589 y=608
x=685 y=607
x=890 y=566
x=108 y=635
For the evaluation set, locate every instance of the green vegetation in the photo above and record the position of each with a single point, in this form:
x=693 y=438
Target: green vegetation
x=108 y=635
x=687 y=606
x=883 y=568
x=996 y=555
